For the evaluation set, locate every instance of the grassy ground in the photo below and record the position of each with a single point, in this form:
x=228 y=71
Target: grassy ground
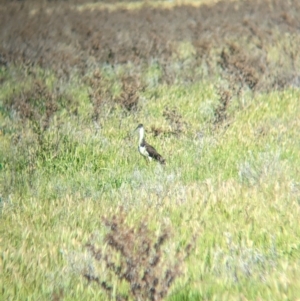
x=236 y=190
x=226 y=203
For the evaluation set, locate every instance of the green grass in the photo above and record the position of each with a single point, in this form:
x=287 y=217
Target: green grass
x=237 y=189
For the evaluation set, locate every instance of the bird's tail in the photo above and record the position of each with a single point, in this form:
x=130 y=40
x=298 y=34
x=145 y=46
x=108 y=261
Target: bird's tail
x=156 y=156
x=161 y=160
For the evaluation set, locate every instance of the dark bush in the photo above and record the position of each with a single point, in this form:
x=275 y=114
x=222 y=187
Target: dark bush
x=144 y=263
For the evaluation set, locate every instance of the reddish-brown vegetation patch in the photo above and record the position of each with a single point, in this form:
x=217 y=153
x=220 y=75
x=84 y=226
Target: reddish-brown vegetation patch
x=142 y=263
x=56 y=35
x=240 y=40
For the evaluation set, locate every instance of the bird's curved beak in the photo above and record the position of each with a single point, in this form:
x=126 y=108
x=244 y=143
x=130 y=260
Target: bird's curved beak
x=134 y=130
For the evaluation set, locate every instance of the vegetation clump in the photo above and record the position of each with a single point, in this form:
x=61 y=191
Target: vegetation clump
x=143 y=263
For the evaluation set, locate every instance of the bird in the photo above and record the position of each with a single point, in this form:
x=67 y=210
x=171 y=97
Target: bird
x=145 y=149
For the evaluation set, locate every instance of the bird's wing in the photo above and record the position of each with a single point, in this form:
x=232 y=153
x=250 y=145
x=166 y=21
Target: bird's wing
x=154 y=154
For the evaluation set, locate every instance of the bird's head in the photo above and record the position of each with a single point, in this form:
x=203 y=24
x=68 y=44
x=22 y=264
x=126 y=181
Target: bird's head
x=139 y=127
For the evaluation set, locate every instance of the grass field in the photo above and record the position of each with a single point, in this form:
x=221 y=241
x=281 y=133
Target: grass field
x=84 y=217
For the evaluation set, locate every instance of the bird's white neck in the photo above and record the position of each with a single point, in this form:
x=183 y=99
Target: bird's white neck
x=142 y=134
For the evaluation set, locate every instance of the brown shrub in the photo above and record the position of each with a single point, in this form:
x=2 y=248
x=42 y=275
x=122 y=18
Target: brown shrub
x=175 y=120
x=37 y=104
x=224 y=100
x=143 y=264
x=129 y=97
